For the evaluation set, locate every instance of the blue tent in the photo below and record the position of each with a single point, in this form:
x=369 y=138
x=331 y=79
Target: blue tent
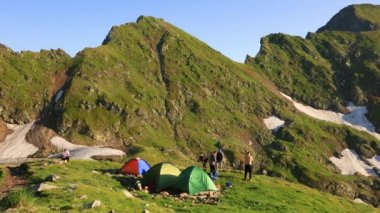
x=135 y=166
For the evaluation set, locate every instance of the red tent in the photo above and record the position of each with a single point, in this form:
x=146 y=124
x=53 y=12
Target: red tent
x=135 y=166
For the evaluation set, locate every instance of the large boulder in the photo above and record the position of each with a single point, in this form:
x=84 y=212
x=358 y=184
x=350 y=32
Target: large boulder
x=44 y=187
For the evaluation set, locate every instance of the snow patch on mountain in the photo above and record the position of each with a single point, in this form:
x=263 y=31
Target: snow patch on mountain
x=375 y=161
x=82 y=152
x=355 y=119
x=15 y=147
x=351 y=163
x=273 y=123
x=358 y=200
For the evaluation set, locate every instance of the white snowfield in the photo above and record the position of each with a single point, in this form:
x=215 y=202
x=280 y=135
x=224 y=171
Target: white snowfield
x=358 y=200
x=273 y=123
x=375 y=161
x=82 y=152
x=61 y=143
x=15 y=147
x=356 y=118
x=351 y=163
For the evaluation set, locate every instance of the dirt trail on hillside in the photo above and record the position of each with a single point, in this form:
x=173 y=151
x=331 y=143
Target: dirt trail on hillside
x=13 y=178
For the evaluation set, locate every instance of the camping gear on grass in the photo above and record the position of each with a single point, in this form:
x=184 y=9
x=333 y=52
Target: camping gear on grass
x=135 y=166
x=160 y=176
x=194 y=180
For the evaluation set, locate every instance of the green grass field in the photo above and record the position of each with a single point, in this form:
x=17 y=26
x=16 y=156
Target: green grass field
x=78 y=178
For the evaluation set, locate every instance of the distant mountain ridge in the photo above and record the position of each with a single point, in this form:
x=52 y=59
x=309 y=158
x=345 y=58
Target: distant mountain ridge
x=157 y=92
x=355 y=18
x=329 y=68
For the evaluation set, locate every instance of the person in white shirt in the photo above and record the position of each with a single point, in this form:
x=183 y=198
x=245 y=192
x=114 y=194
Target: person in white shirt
x=66 y=156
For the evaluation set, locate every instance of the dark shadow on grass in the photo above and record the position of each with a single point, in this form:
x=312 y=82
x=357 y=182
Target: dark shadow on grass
x=253 y=187
x=127 y=181
x=20 y=171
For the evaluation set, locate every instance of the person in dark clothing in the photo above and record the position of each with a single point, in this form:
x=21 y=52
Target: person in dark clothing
x=248 y=165
x=212 y=161
x=219 y=159
x=203 y=158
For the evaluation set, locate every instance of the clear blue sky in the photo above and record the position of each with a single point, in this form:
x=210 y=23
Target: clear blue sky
x=233 y=27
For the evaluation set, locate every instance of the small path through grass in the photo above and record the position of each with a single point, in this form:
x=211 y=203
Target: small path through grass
x=13 y=177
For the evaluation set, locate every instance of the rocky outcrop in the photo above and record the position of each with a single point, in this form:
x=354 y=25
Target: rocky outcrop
x=4 y=131
x=44 y=187
x=40 y=137
x=349 y=19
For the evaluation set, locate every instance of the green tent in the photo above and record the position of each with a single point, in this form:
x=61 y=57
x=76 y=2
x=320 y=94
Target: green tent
x=160 y=176
x=193 y=180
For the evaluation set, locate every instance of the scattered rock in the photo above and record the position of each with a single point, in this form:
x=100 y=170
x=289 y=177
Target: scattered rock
x=72 y=186
x=95 y=172
x=111 y=211
x=202 y=197
x=108 y=174
x=358 y=200
x=127 y=194
x=44 y=186
x=83 y=197
x=12 y=210
x=146 y=189
x=164 y=194
x=190 y=197
x=96 y=203
x=52 y=178
x=146 y=211
x=183 y=195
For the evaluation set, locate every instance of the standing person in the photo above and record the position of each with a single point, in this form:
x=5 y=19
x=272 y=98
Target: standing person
x=203 y=158
x=248 y=165
x=212 y=161
x=219 y=159
x=66 y=156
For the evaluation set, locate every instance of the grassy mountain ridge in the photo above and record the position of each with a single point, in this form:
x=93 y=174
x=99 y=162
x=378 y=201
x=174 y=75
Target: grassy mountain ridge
x=157 y=92
x=157 y=84
x=326 y=69
x=27 y=82
x=355 y=18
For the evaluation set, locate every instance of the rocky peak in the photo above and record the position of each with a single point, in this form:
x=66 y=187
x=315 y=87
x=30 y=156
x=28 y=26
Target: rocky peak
x=355 y=18
x=144 y=23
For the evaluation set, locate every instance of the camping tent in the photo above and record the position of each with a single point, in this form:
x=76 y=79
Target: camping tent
x=135 y=166
x=160 y=176
x=193 y=180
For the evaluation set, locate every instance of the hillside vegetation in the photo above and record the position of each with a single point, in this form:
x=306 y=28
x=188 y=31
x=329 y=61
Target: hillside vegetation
x=93 y=181
x=28 y=82
x=157 y=92
x=329 y=68
x=152 y=84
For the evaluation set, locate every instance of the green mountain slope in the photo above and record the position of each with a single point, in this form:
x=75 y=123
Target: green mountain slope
x=28 y=82
x=162 y=94
x=154 y=84
x=355 y=18
x=157 y=92
x=95 y=181
x=329 y=68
